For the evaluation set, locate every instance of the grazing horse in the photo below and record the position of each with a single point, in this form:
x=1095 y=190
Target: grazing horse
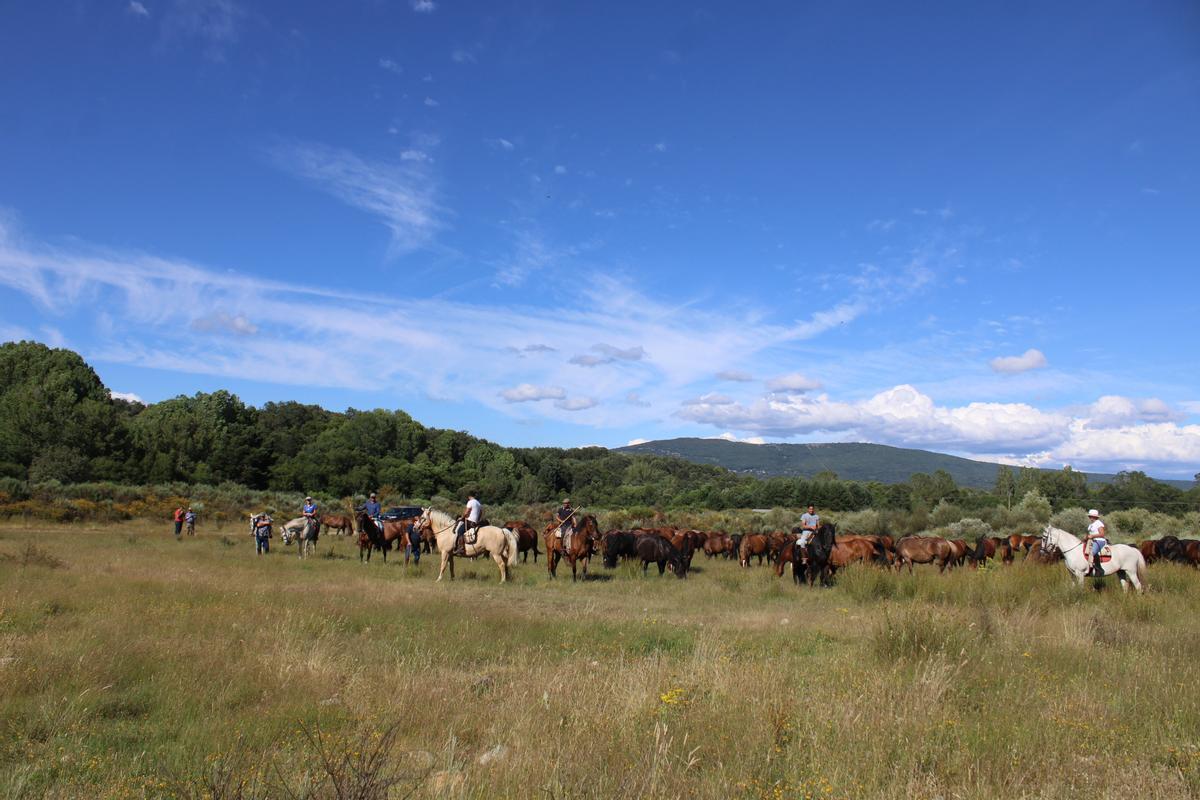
x=499 y=543
x=526 y=539
x=717 y=543
x=1149 y=550
x=989 y=547
x=1126 y=561
x=338 y=522
x=1018 y=542
x=617 y=544
x=660 y=551
x=574 y=547
x=923 y=550
x=753 y=544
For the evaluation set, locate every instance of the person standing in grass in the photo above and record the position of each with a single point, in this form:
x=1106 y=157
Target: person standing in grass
x=178 y=522
x=190 y=519
x=413 y=547
x=261 y=526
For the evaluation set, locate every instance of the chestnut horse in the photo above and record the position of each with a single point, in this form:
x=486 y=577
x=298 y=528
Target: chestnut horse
x=753 y=544
x=923 y=550
x=526 y=539
x=578 y=546
x=990 y=547
x=717 y=543
x=394 y=530
x=338 y=522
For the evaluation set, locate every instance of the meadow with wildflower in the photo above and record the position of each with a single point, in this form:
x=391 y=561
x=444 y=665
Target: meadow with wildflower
x=132 y=666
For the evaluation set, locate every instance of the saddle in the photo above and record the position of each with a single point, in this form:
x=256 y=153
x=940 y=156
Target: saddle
x=1106 y=554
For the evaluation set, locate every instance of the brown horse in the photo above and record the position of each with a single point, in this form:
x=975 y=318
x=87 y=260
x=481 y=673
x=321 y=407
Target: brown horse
x=923 y=550
x=716 y=544
x=579 y=546
x=961 y=551
x=372 y=537
x=338 y=522
x=526 y=539
x=991 y=547
x=1149 y=550
x=753 y=544
x=1019 y=542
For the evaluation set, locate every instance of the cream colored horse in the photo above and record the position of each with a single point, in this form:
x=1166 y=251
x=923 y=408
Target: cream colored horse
x=499 y=543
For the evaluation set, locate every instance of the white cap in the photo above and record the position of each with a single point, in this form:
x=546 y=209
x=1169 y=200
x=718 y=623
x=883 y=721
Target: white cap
x=1093 y=513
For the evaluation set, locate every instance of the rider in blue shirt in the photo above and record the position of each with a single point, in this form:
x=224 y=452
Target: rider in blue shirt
x=373 y=510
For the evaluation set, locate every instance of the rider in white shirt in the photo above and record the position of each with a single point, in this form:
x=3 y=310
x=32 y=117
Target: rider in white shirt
x=1097 y=537
x=472 y=514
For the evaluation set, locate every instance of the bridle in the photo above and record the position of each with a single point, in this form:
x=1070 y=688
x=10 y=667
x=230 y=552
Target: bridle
x=1052 y=548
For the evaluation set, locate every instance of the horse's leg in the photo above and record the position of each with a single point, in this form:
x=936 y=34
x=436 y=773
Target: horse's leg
x=574 y=574
x=445 y=557
x=662 y=567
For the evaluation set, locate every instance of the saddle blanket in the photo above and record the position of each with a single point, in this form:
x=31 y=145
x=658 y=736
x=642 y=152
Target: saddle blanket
x=1106 y=553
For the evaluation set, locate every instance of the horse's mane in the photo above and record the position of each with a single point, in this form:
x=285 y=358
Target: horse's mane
x=440 y=519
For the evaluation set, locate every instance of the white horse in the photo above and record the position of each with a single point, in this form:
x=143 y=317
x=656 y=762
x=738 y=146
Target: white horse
x=499 y=543
x=304 y=530
x=1126 y=561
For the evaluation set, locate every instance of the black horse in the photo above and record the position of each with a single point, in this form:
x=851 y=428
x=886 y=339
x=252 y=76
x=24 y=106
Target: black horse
x=818 y=552
x=651 y=547
x=618 y=544
x=735 y=540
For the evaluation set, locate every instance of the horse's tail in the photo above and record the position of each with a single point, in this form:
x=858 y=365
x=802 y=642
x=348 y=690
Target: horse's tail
x=1140 y=568
x=510 y=540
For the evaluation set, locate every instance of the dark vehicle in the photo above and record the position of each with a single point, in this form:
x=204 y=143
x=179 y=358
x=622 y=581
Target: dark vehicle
x=400 y=513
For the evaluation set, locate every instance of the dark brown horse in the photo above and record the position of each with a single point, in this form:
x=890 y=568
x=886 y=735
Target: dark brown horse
x=576 y=547
x=991 y=547
x=338 y=522
x=717 y=543
x=961 y=551
x=372 y=537
x=526 y=539
x=1149 y=550
x=923 y=550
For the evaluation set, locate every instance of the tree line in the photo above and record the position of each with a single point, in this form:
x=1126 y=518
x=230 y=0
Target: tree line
x=60 y=424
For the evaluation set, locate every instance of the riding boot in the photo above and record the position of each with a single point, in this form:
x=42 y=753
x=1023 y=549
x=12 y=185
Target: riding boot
x=1097 y=568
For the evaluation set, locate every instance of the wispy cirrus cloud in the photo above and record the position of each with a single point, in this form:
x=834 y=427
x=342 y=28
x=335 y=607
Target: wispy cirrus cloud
x=402 y=195
x=423 y=6
x=529 y=393
x=608 y=354
x=137 y=9
x=217 y=24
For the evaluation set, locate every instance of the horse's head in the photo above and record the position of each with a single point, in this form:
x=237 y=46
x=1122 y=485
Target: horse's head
x=1049 y=539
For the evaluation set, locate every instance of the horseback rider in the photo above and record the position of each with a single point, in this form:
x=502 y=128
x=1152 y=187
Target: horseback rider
x=311 y=512
x=1097 y=537
x=809 y=522
x=374 y=511
x=472 y=514
x=566 y=519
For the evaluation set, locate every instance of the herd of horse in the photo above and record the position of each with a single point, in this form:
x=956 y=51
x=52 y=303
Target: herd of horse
x=669 y=548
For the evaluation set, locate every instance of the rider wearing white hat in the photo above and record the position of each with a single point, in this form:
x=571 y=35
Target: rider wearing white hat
x=1097 y=538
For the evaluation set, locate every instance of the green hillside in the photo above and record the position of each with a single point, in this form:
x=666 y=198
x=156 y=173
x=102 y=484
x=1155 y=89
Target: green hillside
x=852 y=461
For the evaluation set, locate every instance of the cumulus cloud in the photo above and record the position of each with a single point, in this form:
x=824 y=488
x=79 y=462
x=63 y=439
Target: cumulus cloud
x=391 y=66
x=735 y=375
x=729 y=437
x=528 y=393
x=128 y=397
x=793 y=382
x=1115 y=411
x=609 y=354
x=575 y=403
x=1030 y=359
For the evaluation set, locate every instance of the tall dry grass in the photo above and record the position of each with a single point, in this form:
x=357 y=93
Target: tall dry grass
x=132 y=665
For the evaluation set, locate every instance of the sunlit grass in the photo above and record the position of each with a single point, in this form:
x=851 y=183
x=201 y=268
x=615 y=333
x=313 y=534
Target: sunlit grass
x=132 y=665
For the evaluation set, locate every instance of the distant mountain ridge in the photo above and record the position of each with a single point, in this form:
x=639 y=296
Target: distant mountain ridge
x=859 y=461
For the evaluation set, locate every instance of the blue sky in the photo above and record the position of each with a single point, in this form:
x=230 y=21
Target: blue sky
x=975 y=229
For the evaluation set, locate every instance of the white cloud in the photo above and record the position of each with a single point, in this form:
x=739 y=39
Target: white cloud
x=793 y=382
x=423 y=6
x=500 y=143
x=528 y=393
x=137 y=9
x=881 y=225
x=1030 y=359
x=401 y=195
x=1115 y=411
x=391 y=66
x=1191 y=406
x=129 y=397
x=710 y=399
x=635 y=399
x=576 y=403
x=415 y=155
x=431 y=103
x=660 y=147
x=461 y=55
x=735 y=375
x=609 y=354
x=729 y=437
x=633 y=442
x=559 y=169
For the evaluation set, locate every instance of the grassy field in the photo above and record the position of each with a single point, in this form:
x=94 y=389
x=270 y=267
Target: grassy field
x=132 y=665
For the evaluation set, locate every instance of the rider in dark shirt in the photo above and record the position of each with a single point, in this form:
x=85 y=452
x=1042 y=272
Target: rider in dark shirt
x=566 y=519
